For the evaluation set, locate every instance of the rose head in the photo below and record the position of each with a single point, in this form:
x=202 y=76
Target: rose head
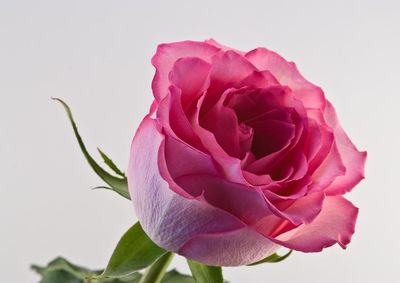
x=238 y=156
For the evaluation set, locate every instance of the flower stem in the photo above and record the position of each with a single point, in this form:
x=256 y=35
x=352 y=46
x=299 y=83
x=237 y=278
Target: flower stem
x=155 y=272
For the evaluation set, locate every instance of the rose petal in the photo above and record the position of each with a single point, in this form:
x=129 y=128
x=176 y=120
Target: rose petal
x=257 y=180
x=258 y=79
x=235 y=248
x=322 y=149
x=270 y=136
x=228 y=68
x=298 y=211
x=287 y=74
x=246 y=203
x=313 y=141
x=168 y=54
x=329 y=170
x=223 y=123
x=353 y=159
x=183 y=159
x=169 y=219
x=173 y=119
x=222 y=47
x=335 y=224
x=229 y=165
x=191 y=75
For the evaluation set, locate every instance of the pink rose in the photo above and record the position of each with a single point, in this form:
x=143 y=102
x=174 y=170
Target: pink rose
x=239 y=156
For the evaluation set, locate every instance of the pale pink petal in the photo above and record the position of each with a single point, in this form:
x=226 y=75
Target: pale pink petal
x=168 y=54
x=334 y=224
x=235 y=248
x=169 y=219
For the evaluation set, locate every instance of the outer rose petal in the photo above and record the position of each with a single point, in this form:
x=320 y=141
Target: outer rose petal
x=335 y=224
x=235 y=248
x=287 y=74
x=353 y=160
x=171 y=220
x=223 y=47
x=166 y=56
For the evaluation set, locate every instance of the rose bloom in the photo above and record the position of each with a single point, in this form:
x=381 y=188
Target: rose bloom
x=238 y=156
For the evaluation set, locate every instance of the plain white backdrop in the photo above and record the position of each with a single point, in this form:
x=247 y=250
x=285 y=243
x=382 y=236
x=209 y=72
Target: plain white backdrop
x=96 y=56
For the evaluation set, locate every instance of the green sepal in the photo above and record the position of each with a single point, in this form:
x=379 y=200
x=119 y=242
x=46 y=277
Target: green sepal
x=118 y=184
x=273 y=258
x=204 y=273
x=107 y=160
x=134 y=251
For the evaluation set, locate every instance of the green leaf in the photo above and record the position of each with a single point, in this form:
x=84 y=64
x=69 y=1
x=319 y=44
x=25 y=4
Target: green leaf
x=118 y=184
x=272 y=258
x=59 y=276
x=175 y=277
x=110 y=163
x=134 y=251
x=61 y=271
x=132 y=278
x=205 y=274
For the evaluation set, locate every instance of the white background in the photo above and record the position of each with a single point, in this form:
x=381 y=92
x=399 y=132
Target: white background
x=96 y=56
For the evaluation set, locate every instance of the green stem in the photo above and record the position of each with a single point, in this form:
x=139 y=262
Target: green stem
x=204 y=273
x=155 y=272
